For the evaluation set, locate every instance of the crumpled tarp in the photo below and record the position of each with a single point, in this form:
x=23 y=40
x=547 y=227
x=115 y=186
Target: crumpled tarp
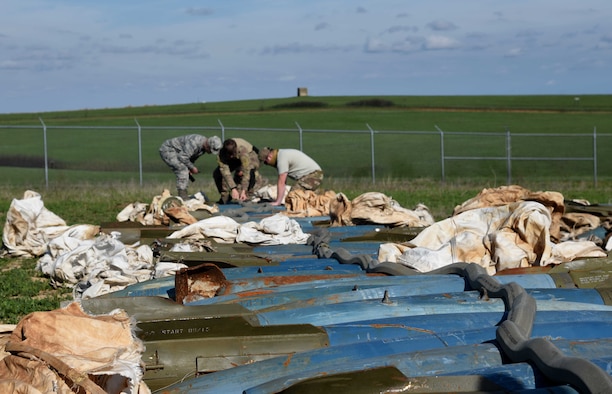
x=277 y=229
x=495 y=231
x=376 y=208
x=98 y=266
x=269 y=193
x=96 y=263
x=29 y=226
x=308 y=203
x=165 y=209
x=99 y=350
x=503 y=195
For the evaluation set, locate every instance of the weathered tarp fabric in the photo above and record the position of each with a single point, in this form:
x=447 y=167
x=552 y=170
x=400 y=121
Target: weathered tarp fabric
x=104 y=264
x=491 y=229
x=269 y=193
x=161 y=212
x=98 y=266
x=376 y=208
x=95 y=263
x=503 y=195
x=496 y=231
x=68 y=342
x=308 y=203
x=29 y=226
x=277 y=229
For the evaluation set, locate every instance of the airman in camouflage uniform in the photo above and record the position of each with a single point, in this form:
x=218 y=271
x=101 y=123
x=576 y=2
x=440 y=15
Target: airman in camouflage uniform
x=294 y=164
x=237 y=177
x=180 y=154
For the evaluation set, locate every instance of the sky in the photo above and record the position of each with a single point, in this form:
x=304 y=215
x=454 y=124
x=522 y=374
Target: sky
x=81 y=54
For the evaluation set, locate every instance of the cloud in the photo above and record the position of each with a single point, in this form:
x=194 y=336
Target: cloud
x=514 y=52
x=287 y=78
x=412 y=44
x=199 y=11
x=361 y=10
x=11 y=65
x=296 y=48
x=40 y=59
x=499 y=16
x=440 y=42
x=528 y=34
x=402 y=28
x=408 y=44
x=322 y=26
x=607 y=38
x=375 y=45
x=171 y=50
x=605 y=42
x=440 y=25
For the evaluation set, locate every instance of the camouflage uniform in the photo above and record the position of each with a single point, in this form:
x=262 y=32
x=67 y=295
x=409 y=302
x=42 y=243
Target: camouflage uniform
x=180 y=154
x=240 y=171
x=311 y=181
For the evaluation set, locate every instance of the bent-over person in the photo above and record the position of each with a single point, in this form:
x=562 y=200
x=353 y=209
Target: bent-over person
x=294 y=164
x=237 y=176
x=180 y=154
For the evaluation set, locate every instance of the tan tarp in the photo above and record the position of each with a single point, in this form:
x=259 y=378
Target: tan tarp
x=307 y=203
x=376 y=208
x=165 y=209
x=574 y=224
x=506 y=227
x=565 y=226
x=99 y=350
x=504 y=195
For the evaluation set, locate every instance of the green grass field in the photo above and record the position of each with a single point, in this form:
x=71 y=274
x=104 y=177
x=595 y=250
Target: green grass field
x=103 y=144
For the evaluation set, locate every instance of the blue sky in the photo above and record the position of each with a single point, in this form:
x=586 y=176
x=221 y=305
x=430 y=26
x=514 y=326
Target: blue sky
x=69 y=54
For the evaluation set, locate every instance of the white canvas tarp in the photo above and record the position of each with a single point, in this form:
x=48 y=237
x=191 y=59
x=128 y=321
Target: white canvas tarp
x=30 y=226
x=497 y=231
x=96 y=263
x=100 y=265
x=277 y=229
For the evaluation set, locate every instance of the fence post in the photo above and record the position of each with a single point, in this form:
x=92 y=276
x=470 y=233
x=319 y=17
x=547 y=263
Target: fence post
x=442 y=152
x=45 y=151
x=595 y=155
x=222 y=130
x=300 y=133
x=372 y=153
x=508 y=157
x=139 y=150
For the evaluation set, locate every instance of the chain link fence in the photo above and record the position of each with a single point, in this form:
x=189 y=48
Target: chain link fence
x=131 y=152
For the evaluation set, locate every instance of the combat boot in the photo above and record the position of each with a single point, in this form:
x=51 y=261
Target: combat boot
x=182 y=193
